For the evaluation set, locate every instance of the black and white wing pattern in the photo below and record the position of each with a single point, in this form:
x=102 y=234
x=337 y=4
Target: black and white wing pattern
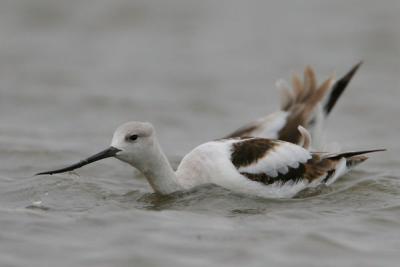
x=273 y=161
x=268 y=161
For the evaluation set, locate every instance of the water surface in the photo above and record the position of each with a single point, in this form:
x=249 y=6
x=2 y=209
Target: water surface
x=72 y=71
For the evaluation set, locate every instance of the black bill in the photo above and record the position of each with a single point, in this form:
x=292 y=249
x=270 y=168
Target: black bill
x=107 y=153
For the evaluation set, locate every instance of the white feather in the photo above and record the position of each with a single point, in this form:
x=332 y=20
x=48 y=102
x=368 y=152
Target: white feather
x=341 y=169
x=278 y=159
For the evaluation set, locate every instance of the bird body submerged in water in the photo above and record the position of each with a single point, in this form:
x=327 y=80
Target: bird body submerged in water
x=251 y=165
x=257 y=166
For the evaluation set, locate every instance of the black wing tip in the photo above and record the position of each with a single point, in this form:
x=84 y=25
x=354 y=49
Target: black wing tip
x=352 y=71
x=340 y=86
x=357 y=153
x=369 y=151
x=379 y=150
x=342 y=82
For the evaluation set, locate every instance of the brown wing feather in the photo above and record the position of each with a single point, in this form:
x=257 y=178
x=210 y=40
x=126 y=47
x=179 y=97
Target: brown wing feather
x=302 y=108
x=300 y=102
x=250 y=151
x=307 y=95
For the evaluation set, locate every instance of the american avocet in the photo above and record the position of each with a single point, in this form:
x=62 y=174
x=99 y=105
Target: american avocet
x=257 y=166
x=307 y=104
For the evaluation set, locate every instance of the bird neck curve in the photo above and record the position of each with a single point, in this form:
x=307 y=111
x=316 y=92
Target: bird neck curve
x=159 y=172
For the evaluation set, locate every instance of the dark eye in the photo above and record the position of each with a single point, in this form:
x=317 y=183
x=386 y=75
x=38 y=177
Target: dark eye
x=133 y=137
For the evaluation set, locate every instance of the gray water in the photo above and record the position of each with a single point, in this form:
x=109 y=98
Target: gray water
x=72 y=71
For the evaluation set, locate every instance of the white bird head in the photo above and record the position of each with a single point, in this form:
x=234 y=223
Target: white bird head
x=134 y=140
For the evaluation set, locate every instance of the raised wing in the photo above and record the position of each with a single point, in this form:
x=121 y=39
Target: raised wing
x=307 y=104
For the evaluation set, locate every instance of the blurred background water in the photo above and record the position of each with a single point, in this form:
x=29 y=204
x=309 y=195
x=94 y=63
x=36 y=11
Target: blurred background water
x=72 y=71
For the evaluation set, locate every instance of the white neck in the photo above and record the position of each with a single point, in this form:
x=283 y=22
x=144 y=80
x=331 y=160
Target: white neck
x=158 y=171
